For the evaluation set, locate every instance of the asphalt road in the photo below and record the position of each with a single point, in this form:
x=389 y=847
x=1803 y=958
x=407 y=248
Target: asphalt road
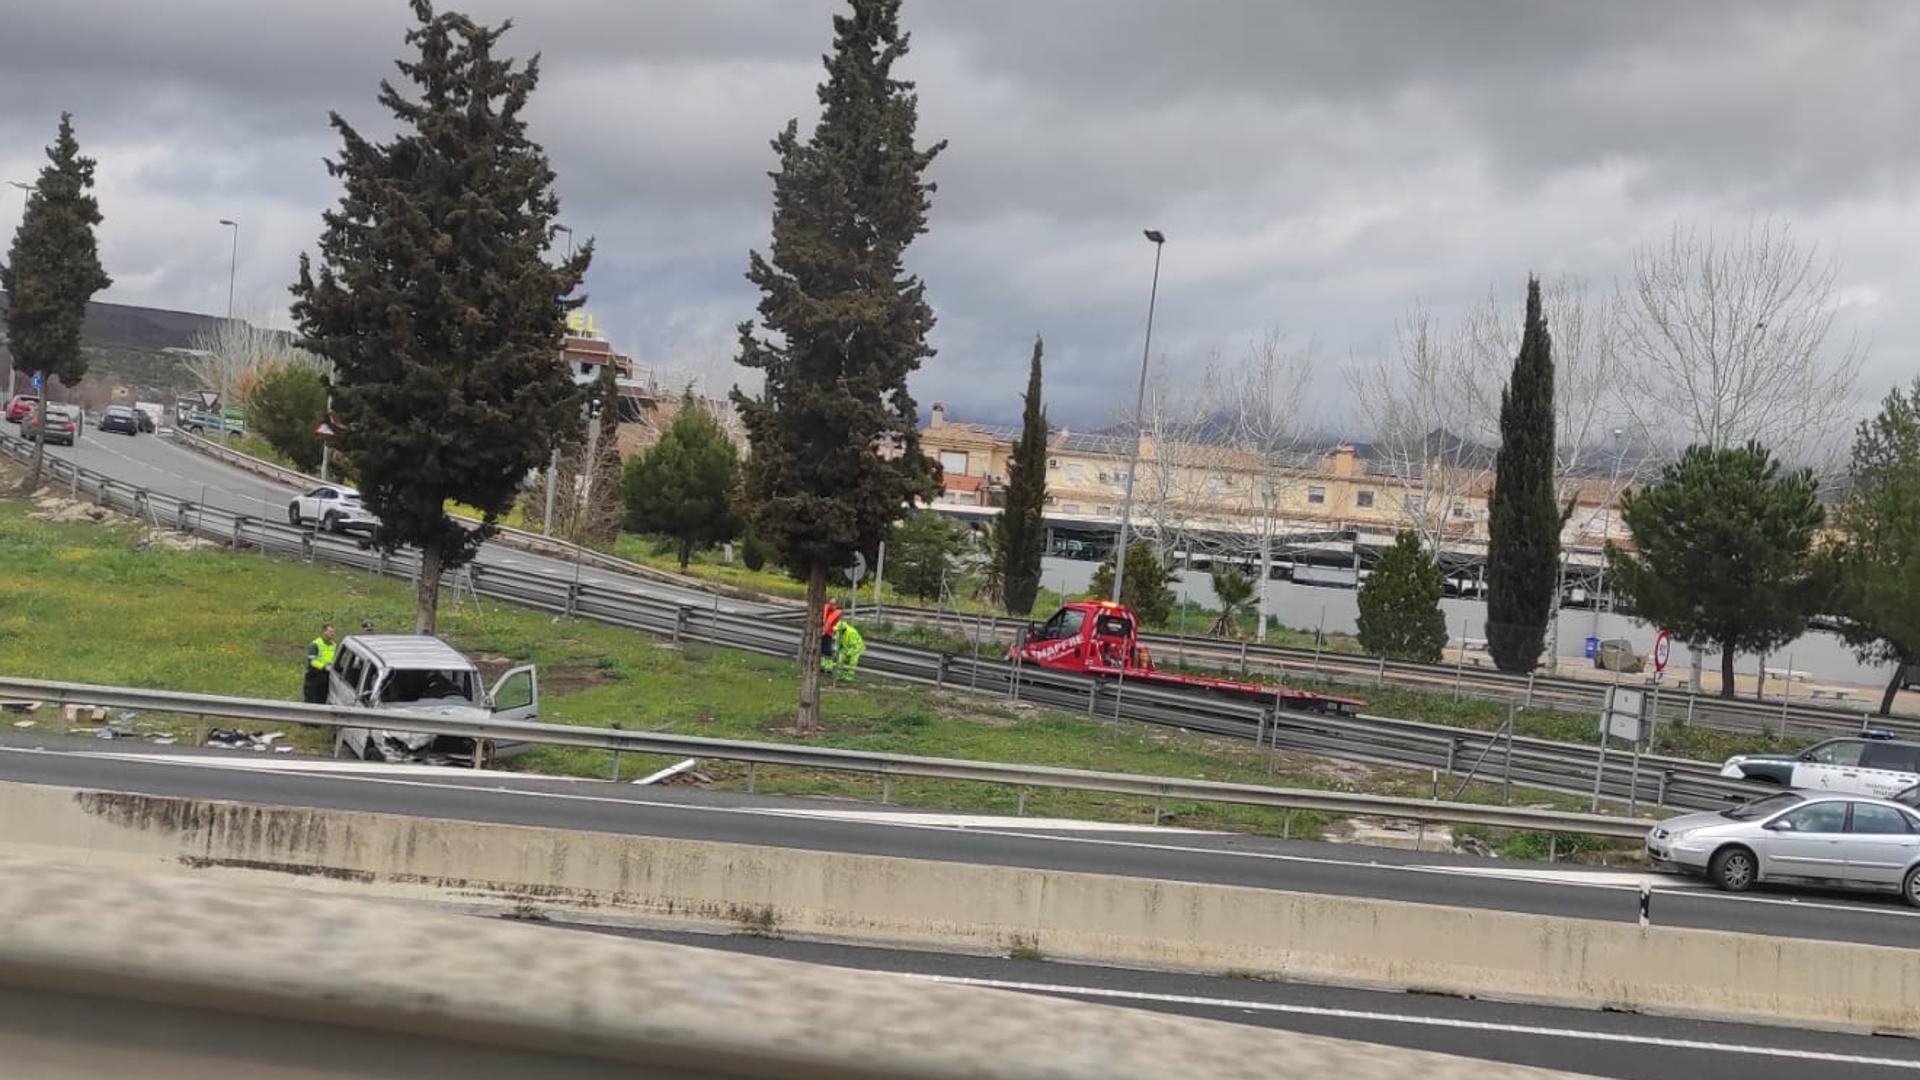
x=159 y=464
x=695 y=814
x=1589 y=1041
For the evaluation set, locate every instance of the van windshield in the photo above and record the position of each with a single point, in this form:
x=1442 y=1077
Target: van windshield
x=402 y=687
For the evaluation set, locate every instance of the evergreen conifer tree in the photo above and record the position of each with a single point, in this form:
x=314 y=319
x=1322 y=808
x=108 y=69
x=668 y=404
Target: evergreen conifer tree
x=52 y=270
x=1523 y=549
x=835 y=432
x=1022 y=538
x=436 y=304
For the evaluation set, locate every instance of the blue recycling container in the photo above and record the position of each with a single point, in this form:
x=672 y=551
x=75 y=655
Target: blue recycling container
x=1593 y=646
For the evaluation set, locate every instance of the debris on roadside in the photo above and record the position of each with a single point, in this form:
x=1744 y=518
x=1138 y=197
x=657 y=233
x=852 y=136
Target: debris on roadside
x=24 y=723
x=21 y=706
x=257 y=741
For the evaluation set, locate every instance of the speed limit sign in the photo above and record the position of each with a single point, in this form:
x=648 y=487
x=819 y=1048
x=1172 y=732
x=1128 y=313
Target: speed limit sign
x=1662 y=648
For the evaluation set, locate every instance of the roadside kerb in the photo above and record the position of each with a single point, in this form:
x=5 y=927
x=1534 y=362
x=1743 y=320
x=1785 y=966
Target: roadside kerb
x=1100 y=918
x=824 y=758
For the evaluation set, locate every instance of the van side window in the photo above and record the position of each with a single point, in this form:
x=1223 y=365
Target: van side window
x=352 y=667
x=1844 y=752
x=1898 y=757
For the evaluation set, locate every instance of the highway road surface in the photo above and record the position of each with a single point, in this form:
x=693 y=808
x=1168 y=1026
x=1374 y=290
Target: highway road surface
x=1588 y=1041
x=695 y=814
x=157 y=463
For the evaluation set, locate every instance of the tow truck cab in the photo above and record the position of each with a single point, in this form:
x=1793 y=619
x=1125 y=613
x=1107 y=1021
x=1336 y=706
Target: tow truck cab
x=1087 y=635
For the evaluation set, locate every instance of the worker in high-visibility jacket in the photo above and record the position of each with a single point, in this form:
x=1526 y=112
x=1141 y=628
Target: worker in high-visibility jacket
x=829 y=618
x=320 y=652
x=847 y=647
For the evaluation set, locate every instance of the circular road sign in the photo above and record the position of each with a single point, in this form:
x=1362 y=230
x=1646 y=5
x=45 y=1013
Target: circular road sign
x=1662 y=649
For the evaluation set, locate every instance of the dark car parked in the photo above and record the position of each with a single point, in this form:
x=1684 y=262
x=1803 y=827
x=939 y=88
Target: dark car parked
x=120 y=418
x=63 y=425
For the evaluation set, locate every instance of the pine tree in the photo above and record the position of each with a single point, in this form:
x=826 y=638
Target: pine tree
x=1723 y=552
x=436 y=304
x=286 y=405
x=1523 y=549
x=1148 y=586
x=1877 y=556
x=685 y=485
x=52 y=270
x=1400 y=616
x=923 y=555
x=836 y=444
x=1024 y=537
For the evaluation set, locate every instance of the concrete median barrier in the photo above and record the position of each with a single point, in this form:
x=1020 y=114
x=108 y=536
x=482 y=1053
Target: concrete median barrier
x=106 y=973
x=945 y=905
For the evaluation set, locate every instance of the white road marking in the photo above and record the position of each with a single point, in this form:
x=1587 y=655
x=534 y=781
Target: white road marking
x=978 y=822
x=244 y=759
x=1109 y=994
x=1012 y=828
x=1617 y=878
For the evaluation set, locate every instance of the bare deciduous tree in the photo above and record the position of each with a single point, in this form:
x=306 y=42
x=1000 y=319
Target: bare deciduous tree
x=1726 y=339
x=1431 y=406
x=1168 y=492
x=1259 y=406
x=232 y=355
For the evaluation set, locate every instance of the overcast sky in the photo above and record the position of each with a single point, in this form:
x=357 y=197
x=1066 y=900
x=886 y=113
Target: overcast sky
x=1316 y=167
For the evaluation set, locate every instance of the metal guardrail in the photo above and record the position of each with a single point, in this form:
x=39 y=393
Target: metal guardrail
x=1784 y=718
x=887 y=766
x=519 y=539
x=1455 y=752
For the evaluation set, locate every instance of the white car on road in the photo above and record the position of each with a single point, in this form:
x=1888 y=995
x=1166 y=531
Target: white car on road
x=1849 y=841
x=333 y=507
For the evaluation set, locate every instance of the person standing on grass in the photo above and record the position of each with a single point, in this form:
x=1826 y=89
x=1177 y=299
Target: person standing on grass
x=829 y=618
x=319 y=662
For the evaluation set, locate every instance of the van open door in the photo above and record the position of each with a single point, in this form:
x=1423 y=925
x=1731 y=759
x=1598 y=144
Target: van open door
x=516 y=695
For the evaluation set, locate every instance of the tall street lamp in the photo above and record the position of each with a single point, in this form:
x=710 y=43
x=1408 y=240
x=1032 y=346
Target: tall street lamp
x=1139 y=420
x=26 y=194
x=233 y=262
x=1606 y=523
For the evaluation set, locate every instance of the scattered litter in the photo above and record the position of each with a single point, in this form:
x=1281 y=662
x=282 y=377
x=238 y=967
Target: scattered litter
x=230 y=739
x=283 y=749
x=23 y=723
x=128 y=717
x=16 y=705
x=162 y=740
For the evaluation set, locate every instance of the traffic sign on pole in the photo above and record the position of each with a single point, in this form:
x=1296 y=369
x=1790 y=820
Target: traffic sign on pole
x=209 y=398
x=323 y=430
x=1662 y=649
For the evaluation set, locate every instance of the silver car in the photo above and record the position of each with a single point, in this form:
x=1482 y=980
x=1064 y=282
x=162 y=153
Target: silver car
x=1852 y=842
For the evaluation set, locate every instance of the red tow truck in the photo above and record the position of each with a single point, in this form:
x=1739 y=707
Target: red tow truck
x=1100 y=638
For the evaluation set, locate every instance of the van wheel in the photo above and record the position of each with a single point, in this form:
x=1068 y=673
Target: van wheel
x=1911 y=889
x=1733 y=869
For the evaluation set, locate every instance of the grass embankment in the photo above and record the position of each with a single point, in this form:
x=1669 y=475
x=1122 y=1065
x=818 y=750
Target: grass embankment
x=98 y=603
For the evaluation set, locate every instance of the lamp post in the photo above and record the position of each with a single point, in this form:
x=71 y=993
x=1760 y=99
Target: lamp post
x=233 y=263
x=553 y=460
x=26 y=194
x=1606 y=523
x=1139 y=408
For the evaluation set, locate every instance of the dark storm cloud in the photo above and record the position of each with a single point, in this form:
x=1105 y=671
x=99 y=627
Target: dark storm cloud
x=1316 y=166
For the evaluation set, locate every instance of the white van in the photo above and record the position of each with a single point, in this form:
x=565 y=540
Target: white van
x=1871 y=765
x=418 y=673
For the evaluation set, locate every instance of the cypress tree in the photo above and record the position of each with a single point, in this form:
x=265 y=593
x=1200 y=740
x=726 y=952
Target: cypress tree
x=436 y=304
x=835 y=436
x=52 y=270
x=1523 y=550
x=1022 y=537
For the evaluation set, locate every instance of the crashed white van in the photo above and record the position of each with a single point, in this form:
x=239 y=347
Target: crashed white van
x=418 y=673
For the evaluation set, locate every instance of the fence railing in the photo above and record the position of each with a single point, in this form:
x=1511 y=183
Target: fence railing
x=886 y=766
x=1785 y=719
x=1456 y=755
x=1676 y=705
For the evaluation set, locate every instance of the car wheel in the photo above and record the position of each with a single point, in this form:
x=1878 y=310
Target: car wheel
x=331 y=523
x=1911 y=889
x=293 y=516
x=1733 y=869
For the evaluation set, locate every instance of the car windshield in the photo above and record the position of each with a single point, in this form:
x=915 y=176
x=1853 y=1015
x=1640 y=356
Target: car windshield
x=1760 y=808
